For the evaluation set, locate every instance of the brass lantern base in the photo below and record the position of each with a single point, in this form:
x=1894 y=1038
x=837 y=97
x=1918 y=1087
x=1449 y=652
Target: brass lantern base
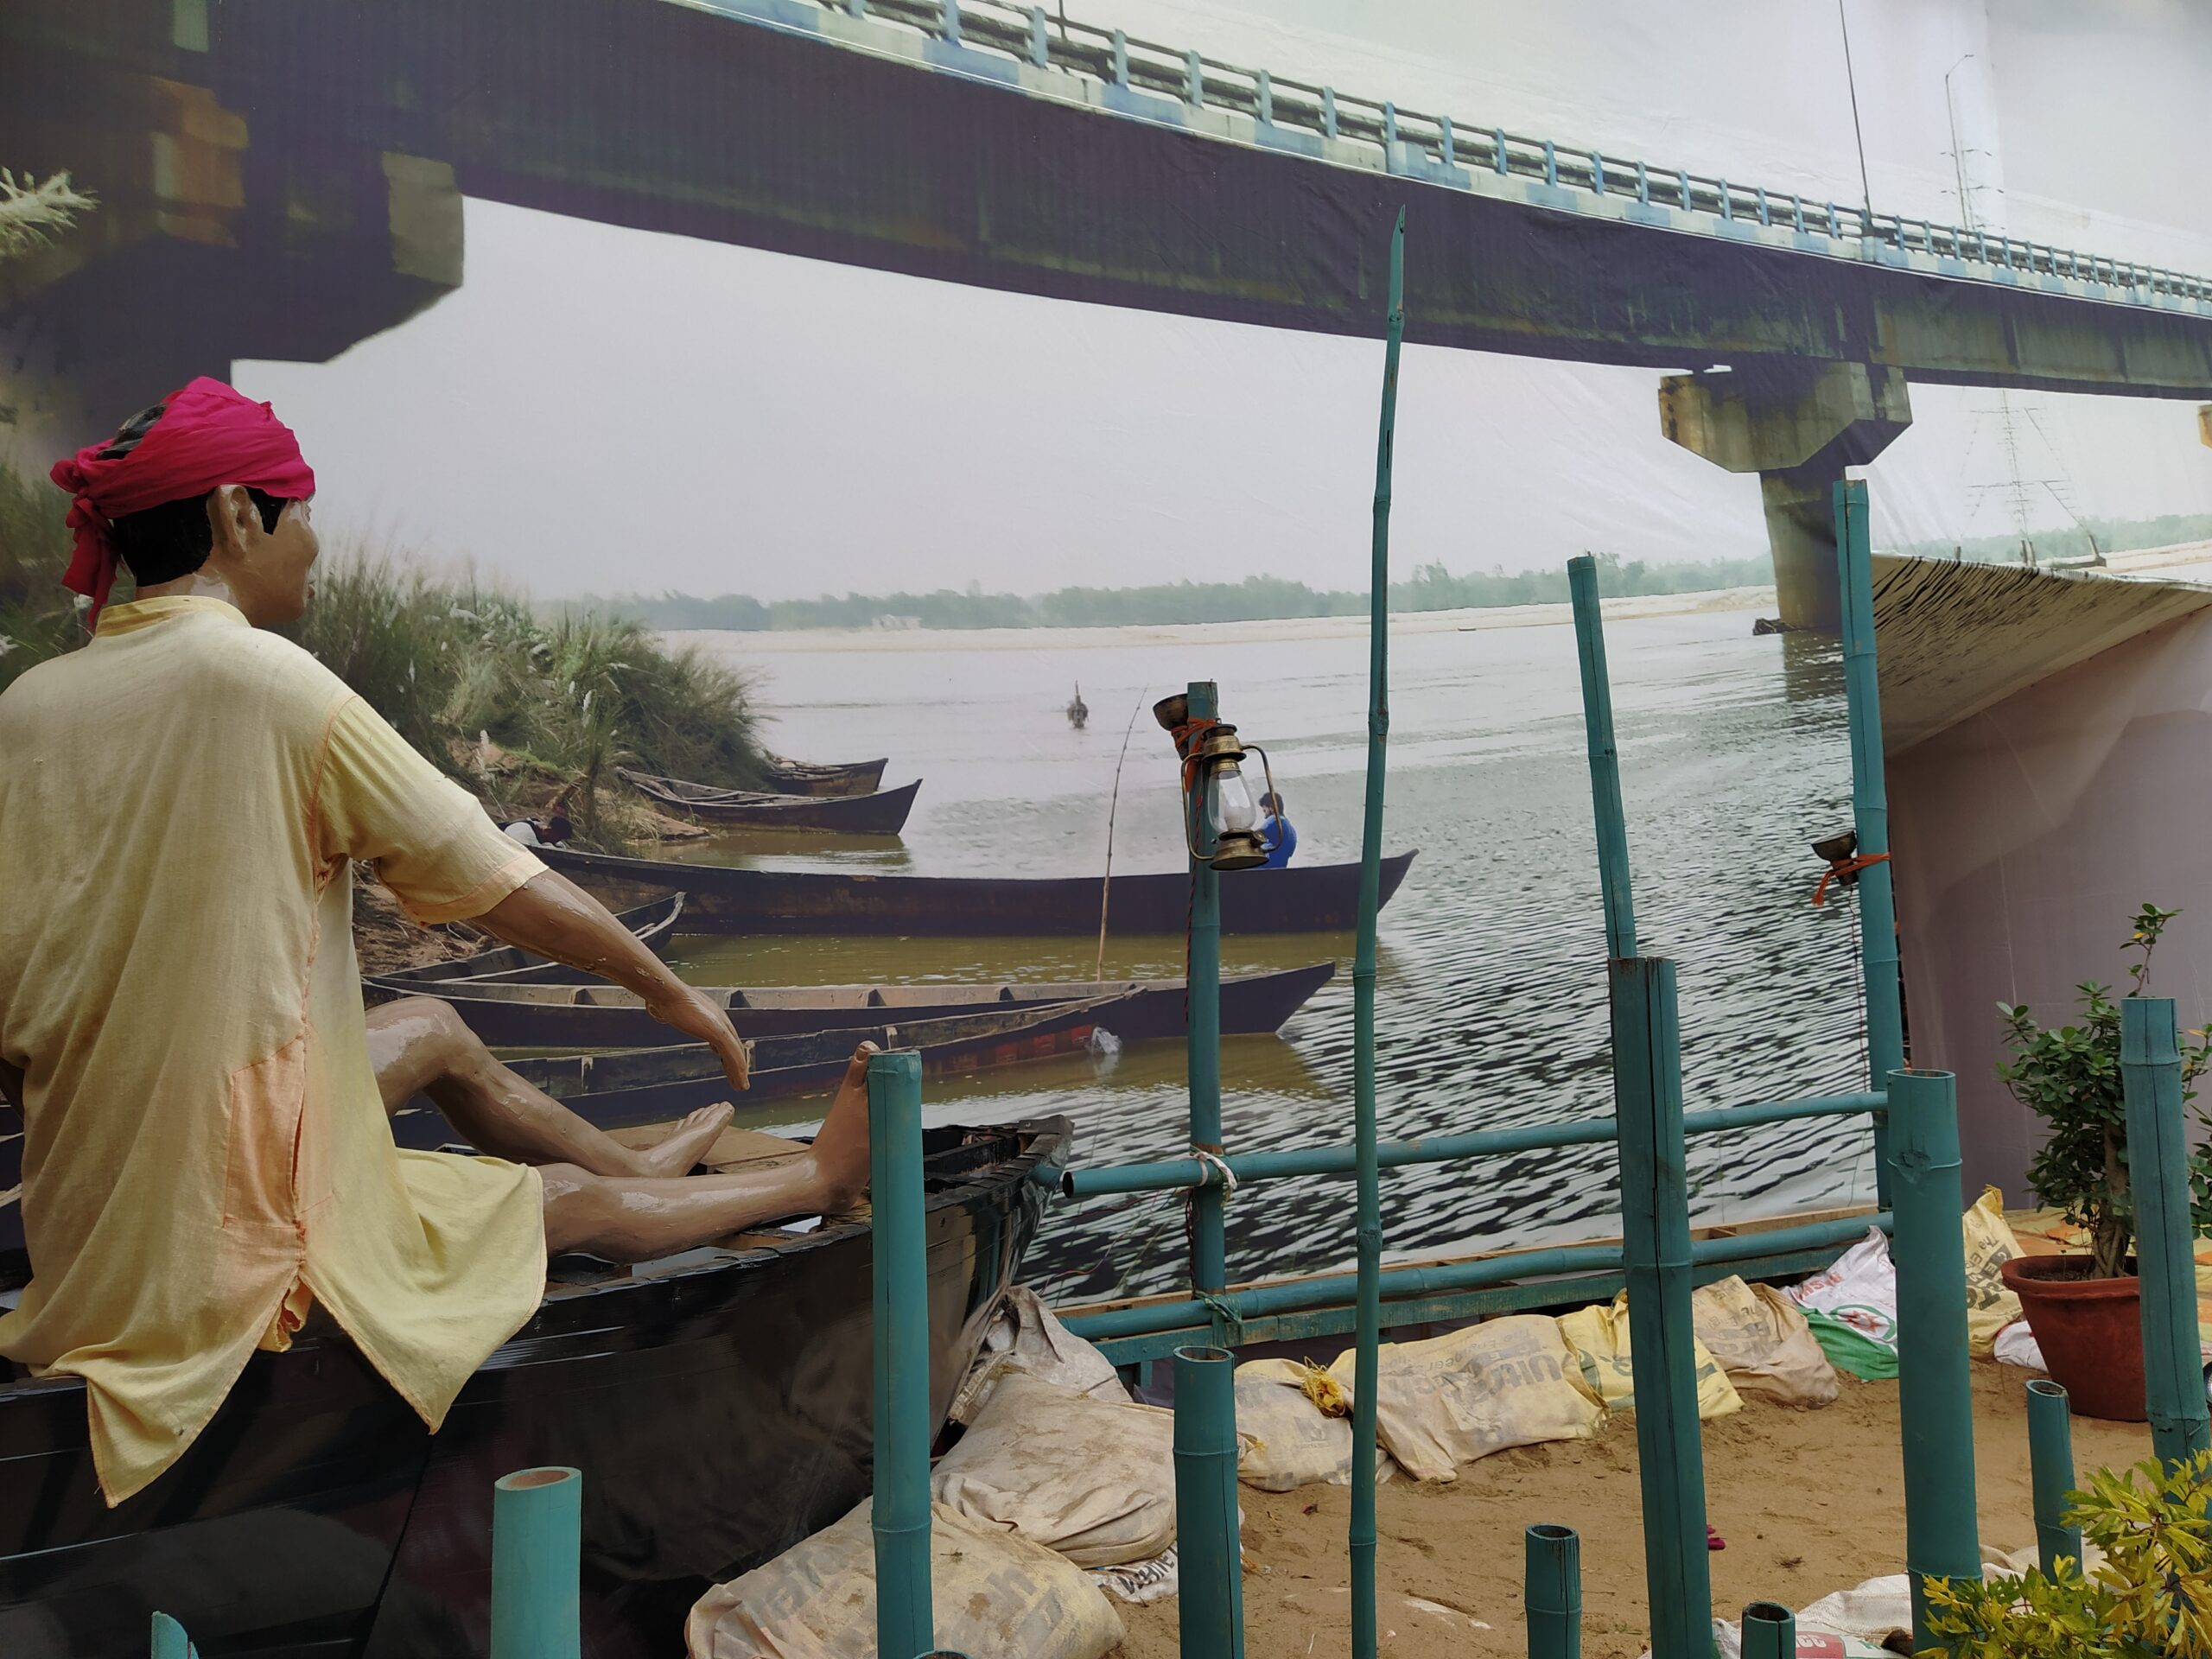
x=1238 y=849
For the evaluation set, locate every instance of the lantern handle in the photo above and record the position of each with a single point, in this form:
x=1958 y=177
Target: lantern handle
x=1268 y=772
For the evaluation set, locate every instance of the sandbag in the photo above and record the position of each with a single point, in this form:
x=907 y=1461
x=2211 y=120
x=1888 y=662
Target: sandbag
x=1851 y=1306
x=994 y=1595
x=1598 y=1337
x=2016 y=1344
x=1092 y=1479
x=1291 y=1438
x=1990 y=1245
x=1452 y=1399
x=1762 y=1342
x=1860 y=1292
x=1023 y=1335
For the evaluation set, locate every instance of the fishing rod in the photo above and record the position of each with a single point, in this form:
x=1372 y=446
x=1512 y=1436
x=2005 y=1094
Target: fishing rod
x=1113 y=806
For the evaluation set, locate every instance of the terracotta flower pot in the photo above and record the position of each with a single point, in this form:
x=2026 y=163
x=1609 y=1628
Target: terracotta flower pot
x=2090 y=1331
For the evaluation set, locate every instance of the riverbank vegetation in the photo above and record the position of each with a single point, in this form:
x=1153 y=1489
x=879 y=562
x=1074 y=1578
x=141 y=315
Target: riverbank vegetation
x=2075 y=541
x=522 y=707
x=525 y=708
x=1431 y=587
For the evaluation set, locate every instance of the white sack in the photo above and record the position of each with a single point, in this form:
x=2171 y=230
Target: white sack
x=2016 y=1345
x=1762 y=1342
x=1093 y=1480
x=1452 y=1399
x=1024 y=1335
x=994 y=1595
x=1289 y=1441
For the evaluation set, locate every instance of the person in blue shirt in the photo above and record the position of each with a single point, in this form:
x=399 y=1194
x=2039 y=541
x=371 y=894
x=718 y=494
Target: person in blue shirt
x=1276 y=831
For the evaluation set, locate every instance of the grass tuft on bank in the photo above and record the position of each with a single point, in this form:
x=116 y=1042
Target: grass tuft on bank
x=519 y=708
x=522 y=707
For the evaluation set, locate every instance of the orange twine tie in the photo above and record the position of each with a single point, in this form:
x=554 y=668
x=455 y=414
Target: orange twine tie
x=1846 y=866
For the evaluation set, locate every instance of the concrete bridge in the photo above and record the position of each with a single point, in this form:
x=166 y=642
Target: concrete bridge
x=278 y=181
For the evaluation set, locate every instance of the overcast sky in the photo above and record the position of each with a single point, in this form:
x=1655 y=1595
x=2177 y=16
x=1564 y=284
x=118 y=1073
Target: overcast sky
x=600 y=410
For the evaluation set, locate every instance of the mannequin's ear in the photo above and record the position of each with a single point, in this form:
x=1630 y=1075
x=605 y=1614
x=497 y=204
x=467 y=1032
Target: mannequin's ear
x=232 y=518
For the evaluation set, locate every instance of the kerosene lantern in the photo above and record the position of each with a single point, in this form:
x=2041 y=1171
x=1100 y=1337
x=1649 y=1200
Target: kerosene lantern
x=1221 y=819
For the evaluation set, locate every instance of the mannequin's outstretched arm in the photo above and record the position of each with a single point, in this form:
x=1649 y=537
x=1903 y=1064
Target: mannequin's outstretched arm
x=554 y=917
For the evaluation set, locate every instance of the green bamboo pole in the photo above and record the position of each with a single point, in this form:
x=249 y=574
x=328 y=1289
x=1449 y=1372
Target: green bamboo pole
x=169 y=1641
x=1769 y=1631
x=537 y=1544
x=2050 y=1465
x=1935 y=1404
x=2157 y=1171
x=1655 y=1240
x=1210 y=1561
x=1604 y=758
x=1552 y=1591
x=1366 y=1361
x=1202 y=1044
x=899 y=1249
x=1869 y=809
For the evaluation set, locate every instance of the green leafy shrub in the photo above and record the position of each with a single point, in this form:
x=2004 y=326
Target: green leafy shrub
x=38 y=615
x=2150 y=1598
x=564 y=701
x=2069 y=1077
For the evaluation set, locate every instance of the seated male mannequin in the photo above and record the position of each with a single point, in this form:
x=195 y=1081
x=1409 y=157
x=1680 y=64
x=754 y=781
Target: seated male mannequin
x=208 y=1152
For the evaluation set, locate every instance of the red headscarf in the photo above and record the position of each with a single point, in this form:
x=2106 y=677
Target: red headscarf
x=207 y=437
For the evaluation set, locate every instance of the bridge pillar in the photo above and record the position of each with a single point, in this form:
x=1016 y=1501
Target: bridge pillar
x=1797 y=426
x=207 y=242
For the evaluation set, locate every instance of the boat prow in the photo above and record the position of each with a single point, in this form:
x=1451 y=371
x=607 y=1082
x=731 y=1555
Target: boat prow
x=718 y=1403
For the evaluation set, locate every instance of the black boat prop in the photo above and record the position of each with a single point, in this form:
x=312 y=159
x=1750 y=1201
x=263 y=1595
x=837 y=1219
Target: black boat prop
x=881 y=814
x=808 y=778
x=719 y=1402
x=643 y=1085
x=597 y=1015
x=1303 y=899
x=653 y=924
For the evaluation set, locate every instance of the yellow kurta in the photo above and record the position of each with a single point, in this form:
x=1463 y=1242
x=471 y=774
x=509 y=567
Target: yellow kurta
x=205 y=1149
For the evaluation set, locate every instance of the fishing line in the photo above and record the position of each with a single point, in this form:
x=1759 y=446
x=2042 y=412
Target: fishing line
x=1113 y=806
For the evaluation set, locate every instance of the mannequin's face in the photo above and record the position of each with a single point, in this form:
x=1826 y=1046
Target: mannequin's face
x=267 y=572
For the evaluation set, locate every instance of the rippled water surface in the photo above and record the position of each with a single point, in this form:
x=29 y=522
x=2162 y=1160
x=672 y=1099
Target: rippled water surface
x=1491 y=993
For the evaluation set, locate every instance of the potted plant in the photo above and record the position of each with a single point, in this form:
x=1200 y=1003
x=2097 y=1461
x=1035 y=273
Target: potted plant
x=2085 y=1307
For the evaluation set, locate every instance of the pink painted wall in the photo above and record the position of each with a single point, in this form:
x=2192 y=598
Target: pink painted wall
x=2024 y=837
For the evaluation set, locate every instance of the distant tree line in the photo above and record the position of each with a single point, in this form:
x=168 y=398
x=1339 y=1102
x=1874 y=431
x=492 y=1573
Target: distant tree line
x=2113 y=536
x=1431 y=587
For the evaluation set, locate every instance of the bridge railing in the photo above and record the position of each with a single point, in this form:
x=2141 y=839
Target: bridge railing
x=1411 y=139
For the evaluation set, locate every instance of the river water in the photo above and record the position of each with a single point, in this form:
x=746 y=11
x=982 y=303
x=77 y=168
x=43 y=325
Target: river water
x=1491 y=986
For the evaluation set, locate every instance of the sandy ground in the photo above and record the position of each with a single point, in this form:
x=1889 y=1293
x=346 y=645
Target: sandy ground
x=1808 y=1502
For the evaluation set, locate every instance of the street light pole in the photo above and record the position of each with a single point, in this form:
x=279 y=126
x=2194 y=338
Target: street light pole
x=1958 y=151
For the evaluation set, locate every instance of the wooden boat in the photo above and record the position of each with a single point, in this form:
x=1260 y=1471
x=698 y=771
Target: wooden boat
x=883 y=814
x=805 y=778
x=718 y=1403
x=654 y=924
x=1304 y=898
x=599 y=1015
x=645 y=1085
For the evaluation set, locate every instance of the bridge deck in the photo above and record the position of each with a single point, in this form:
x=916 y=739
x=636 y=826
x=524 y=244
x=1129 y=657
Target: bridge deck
x=977 y=142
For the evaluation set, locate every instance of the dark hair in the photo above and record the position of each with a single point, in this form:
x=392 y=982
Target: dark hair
x=174 y=539
x=1272 y=802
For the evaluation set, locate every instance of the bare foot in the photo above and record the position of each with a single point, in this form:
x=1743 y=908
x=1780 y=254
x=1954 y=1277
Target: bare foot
x=681 y=1149
x=841 y=1144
